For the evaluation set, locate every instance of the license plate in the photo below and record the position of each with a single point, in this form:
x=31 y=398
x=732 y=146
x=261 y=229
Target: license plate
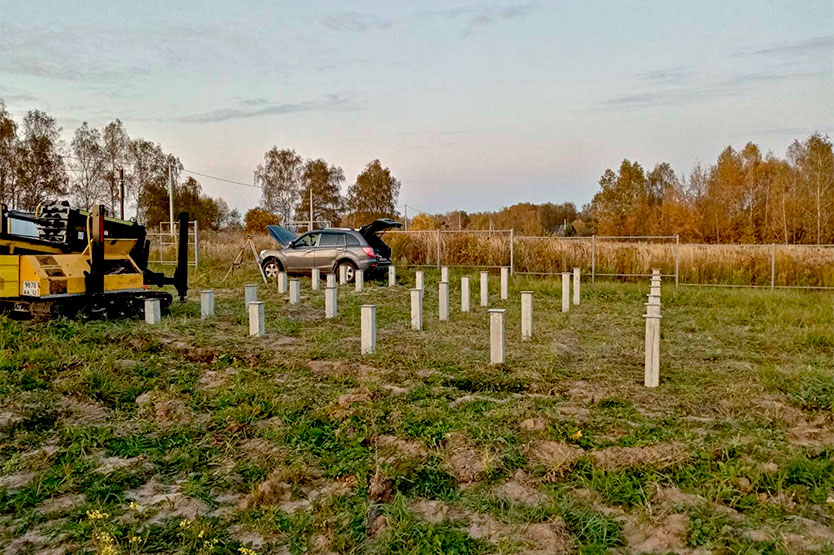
x=31 y=289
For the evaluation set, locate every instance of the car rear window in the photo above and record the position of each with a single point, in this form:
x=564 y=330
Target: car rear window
x=332 y=240
x=352 y=240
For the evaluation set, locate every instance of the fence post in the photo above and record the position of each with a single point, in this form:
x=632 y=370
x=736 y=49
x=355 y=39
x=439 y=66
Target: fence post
x=565 y=291
x=593 y=257
x=512 y=244
x=677 y=259
x=196 y=245
x=438 y=248
x=772 y=266
x=464 y=294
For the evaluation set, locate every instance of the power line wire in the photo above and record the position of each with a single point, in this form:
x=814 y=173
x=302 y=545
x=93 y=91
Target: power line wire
x=223 y=179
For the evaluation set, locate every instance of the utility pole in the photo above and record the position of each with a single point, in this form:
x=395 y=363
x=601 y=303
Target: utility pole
x=406 y=217
x=171 y=198
x=122 y=193
x=311 y=208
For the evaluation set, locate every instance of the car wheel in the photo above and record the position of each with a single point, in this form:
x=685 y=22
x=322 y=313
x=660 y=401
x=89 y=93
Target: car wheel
x=272 y=268
x=350 y=271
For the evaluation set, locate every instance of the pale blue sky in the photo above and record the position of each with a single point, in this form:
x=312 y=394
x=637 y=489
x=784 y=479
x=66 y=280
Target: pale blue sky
x=472 y=105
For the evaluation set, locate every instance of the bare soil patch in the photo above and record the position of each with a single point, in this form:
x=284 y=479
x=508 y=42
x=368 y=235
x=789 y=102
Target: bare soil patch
x=536 y=424
x=541 y=538
x=80 y=412
x=299 y=494
x=664 y=535
x=461 y=459
x=163 y=407
x=14 y=482
x=339 y=368
x=167 y=500
x=401 y=447
x=808 y=536
x=64 y=503
x=661 y=455
x=558 y=457
x=108 y=465
x=518 y=489
x=214 y=379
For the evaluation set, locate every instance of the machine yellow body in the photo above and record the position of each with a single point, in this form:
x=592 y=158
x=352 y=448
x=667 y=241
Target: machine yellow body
x=46 y=275
x=91 y=271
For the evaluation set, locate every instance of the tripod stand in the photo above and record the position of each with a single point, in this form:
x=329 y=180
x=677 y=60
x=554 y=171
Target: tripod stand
x=239 y=259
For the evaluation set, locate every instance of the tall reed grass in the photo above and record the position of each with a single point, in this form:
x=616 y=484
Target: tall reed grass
x=795 y=265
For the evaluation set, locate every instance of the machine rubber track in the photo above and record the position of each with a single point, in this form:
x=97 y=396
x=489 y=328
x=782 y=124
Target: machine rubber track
x=91 y=307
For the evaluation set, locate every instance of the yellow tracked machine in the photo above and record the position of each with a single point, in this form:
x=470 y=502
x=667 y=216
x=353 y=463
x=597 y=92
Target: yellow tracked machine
x=65 y=262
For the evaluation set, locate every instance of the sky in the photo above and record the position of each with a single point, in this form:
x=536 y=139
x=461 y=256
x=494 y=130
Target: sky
x=472 y=105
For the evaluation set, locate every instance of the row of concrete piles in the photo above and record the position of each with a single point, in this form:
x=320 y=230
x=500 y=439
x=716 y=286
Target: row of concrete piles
x=497 y=331
x=368 y=312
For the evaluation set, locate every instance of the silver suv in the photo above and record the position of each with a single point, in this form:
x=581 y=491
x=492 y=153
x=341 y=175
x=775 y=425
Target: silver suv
x=327 y=249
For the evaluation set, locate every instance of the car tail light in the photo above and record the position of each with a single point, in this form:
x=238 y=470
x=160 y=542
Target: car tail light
x=369 y=251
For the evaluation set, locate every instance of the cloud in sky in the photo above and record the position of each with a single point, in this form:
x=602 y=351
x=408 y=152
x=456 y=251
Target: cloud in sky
x=355 y=22
x=473 y=18
x=667 y=76
x=811 y=46
x=733 y=86
x=11 y=95
x=251 y=108
x=684 y=85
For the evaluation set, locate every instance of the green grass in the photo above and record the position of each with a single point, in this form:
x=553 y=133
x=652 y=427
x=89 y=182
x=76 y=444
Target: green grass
x=308 y=458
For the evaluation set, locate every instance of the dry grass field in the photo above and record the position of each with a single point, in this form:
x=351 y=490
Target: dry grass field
x=190 y=437
x=740 y=265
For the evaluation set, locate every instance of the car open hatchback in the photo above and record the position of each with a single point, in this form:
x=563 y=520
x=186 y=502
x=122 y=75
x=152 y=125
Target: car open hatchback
x=328 y=249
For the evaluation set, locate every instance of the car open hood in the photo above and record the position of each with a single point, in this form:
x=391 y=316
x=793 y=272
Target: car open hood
x=378 y=225
x=281 y=234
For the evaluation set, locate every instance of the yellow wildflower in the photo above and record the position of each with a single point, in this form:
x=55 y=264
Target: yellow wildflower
x=95 y=514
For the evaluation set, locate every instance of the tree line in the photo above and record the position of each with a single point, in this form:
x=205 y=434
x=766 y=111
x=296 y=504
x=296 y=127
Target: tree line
x=525 y=218
x=744 y=197
x=37 y=166
x=288 y=182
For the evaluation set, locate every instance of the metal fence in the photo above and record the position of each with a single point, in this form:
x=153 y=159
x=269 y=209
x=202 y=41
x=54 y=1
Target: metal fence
x=163 y=244
x=724 y=265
